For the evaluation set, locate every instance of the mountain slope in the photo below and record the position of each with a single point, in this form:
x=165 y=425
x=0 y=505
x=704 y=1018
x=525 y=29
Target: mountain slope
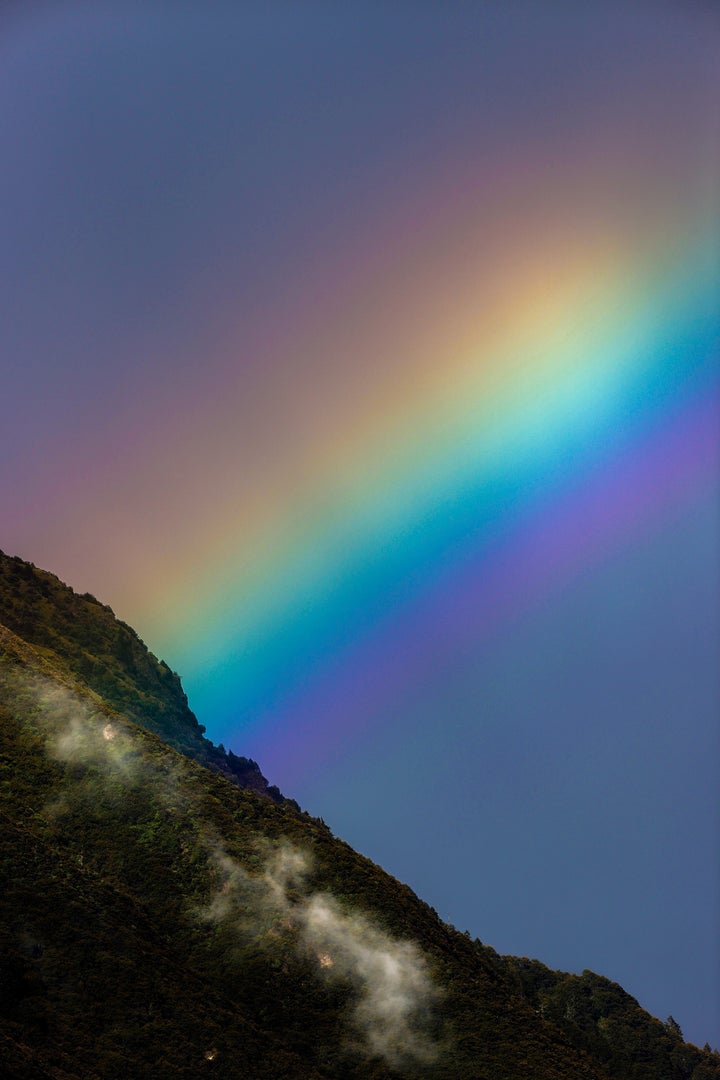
x=111 y=659
x=159 y=920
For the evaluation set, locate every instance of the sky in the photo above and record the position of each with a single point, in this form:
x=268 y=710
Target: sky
x=366 y=359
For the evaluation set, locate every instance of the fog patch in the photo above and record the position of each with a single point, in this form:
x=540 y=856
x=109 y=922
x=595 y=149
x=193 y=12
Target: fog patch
x=392 y=986
x=393 y=989
x=76 y=731
x=84 y=739
x=79 y=734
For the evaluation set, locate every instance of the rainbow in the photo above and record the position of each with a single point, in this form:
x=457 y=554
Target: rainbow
x=369 y=367
x=476 y=469
x=500 y=374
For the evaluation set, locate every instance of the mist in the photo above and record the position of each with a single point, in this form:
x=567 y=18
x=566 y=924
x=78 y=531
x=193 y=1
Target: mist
x=392 y=984
x=392 y=988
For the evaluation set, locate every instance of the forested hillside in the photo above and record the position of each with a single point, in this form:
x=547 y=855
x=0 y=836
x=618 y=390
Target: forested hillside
x=111 y=659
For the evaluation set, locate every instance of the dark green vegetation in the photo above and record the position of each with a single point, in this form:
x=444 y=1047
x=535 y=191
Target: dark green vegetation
x=111 y=659
x=129 y=950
